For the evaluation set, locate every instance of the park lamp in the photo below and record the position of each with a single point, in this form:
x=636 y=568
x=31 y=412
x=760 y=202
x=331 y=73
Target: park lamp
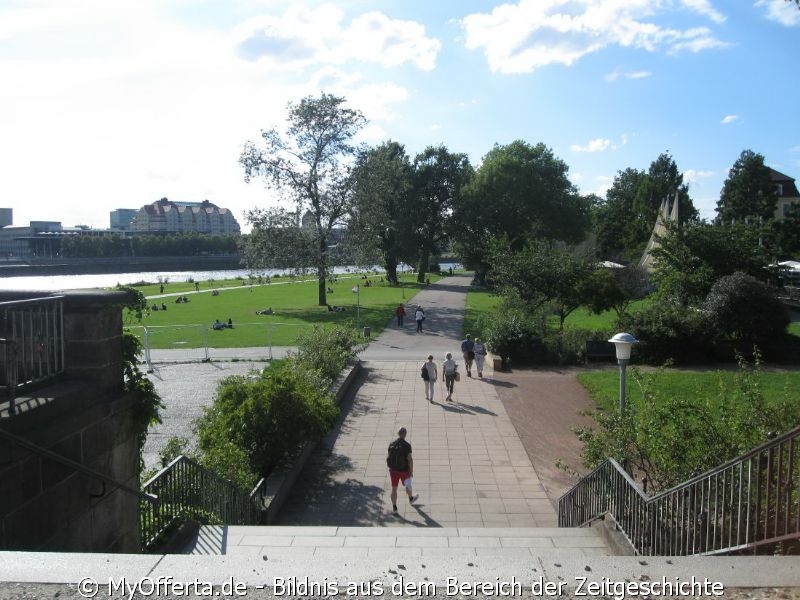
x=357 y=291
x=623 y=342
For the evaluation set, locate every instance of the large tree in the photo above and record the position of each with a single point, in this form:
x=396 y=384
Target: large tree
x=748 y=193
x=522 y=192
x=311 y=164
x=381 y=225
x=438 y=180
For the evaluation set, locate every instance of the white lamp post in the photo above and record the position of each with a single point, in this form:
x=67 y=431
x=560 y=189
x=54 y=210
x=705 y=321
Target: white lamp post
x=357 y=291
x=623 y=343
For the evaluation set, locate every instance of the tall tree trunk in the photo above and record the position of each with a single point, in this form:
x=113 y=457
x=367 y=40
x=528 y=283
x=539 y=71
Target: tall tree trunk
x=390 y=264
x=322 y=271
x=422 y=268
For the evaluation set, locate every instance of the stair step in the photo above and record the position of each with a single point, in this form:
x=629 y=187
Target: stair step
x=373 y=541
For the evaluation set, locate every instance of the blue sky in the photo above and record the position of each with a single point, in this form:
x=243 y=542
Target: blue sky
x=115 y=104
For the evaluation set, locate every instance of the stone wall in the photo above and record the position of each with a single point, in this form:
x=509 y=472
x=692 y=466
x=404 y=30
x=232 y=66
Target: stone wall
x=85 y=417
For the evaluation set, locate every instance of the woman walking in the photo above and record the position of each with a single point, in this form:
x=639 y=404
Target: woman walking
x=449 y=367
x=433 y=373
x=480 y=355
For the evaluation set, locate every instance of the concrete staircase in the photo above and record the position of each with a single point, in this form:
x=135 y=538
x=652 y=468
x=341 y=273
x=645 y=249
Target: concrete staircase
x=410 y=542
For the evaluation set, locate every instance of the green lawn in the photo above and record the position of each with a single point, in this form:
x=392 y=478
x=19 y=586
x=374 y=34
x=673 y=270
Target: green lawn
x=294 y=304
x=480 y=302
x=603 y=386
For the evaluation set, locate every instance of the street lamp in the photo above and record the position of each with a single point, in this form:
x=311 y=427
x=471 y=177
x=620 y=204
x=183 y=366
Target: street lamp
x=357 y=291
x=623 y=343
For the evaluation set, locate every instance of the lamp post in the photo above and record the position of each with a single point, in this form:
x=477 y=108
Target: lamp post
x=357 y=291
x=623 y=343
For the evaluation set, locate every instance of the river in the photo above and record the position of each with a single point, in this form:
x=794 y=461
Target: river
x=110 y=280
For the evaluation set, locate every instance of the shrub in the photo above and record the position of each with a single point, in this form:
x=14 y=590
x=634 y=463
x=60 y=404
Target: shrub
x=512 y=333
x=265 y=416
x=328 y=350
x=568 y=347
x=669 y=332
x=745 y=311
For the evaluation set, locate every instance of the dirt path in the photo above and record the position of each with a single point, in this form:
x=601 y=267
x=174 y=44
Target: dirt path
x=543 y=405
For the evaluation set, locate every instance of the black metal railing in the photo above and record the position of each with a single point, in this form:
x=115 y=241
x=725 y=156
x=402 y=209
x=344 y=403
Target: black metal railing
x=746 y=503
x=31 y=343
x=187 y=490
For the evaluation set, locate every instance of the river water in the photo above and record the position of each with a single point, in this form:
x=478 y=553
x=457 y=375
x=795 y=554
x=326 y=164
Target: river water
x=108 y=280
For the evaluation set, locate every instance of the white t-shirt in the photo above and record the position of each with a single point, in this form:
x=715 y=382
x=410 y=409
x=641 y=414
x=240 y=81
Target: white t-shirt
x=449 y=366
x=419 y=315
x=431 y=370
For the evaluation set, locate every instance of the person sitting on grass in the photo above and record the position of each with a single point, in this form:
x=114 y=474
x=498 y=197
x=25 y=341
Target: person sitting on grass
x=217 y=325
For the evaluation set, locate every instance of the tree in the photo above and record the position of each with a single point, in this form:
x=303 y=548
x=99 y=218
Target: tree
x=522 y=192
x=439 y=176
x=748 y=193
x=381 y=219
x=309 y=163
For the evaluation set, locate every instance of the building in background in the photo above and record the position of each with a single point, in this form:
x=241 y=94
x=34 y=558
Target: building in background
x=120 y=219
x=786 y=190
x=165 y=216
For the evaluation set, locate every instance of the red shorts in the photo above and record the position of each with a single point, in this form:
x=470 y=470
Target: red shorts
x=397 y=476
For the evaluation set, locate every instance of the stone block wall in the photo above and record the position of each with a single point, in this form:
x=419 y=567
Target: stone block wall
x=85 y=416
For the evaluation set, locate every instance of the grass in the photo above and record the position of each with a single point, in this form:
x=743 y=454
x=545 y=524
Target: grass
x=294 y=302
x=480 y=302
x=603 y=386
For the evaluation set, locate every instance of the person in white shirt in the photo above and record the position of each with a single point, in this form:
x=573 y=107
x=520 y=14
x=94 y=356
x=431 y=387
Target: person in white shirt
x=433 y=373
x=449 y=367
x=419 y=317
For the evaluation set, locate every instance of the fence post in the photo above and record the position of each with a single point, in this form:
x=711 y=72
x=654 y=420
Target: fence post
x=205 y=342
x=147 y=349
x=269 y=339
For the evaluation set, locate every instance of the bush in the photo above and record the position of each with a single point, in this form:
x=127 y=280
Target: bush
x=668 y=332
x=265 y=417
x=568 y=347
x=745 y=311
x=328 y=350
x=512 y=333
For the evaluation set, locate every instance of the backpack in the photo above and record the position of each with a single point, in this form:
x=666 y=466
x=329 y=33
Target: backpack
x=396 y=459
x=425 y=375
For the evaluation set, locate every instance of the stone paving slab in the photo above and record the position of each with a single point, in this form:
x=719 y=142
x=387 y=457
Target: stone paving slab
x=469 y=465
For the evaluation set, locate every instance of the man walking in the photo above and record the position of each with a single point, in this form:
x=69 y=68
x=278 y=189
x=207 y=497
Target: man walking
x=419 y=317
x=401 y=467
x=468 y=352
x=400 y=312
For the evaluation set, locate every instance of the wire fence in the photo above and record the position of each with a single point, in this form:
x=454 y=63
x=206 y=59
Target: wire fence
x=220 y=341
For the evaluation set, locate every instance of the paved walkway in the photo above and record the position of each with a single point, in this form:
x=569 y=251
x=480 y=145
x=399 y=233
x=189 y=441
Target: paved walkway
x=470 y=467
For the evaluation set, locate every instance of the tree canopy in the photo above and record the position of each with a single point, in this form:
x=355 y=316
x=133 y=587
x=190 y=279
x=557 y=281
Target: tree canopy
x=748 y=192
x=311 y=164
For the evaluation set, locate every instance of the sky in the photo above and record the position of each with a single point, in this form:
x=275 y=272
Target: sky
x=109 y=104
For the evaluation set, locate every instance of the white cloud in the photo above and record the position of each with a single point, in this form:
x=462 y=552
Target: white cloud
x=619 y=73
x=595 y=145
x=692 y=176
x=303 y=37
x=704 y=7
x=521 y=37
x=780 y=11
x=729 y=119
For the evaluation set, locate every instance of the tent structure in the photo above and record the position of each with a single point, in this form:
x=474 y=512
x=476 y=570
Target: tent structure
x=666 y=213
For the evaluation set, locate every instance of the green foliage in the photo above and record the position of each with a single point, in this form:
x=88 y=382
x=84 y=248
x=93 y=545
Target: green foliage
x=568 y=346
x=265 y=416
x=668 y=331
x=175 y=447
x=512 y=333
x=748 y=192
x=328 y=351
x=746 y=311
x=668 y=436
x=229 y=460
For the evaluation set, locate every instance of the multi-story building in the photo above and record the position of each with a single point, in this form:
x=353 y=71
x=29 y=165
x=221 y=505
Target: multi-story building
x=165 y=216
x=120 y=219
x=787 y=193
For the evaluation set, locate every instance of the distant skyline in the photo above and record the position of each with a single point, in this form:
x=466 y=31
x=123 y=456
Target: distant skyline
x=110 y=105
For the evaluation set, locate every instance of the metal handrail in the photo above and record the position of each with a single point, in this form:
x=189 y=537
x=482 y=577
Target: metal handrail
x=745 y=503
x=32 y=332
x=186 y=489
x=76 y=466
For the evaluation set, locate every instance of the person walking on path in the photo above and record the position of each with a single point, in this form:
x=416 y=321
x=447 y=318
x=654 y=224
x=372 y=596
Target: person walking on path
x=433 y=373
x=401 y=467
x=400 y=312
x=480 y=355
x=419 y=317
x=467 y=351
x=449 y=367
